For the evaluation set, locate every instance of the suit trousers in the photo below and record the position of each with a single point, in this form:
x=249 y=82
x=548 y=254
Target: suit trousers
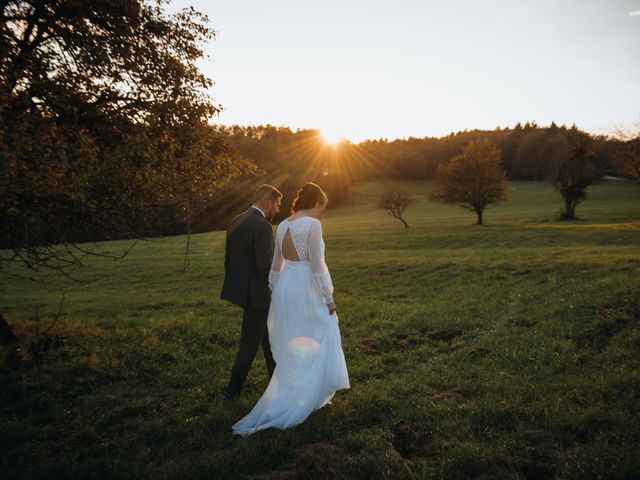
x=254 y=334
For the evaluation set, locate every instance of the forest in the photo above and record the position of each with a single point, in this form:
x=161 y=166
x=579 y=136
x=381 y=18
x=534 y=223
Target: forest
x=287 y=158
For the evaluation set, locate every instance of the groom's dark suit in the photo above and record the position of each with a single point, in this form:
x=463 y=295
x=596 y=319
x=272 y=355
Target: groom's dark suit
x=247 y=261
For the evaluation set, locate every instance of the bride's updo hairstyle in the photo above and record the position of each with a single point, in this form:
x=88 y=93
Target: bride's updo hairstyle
x=307 y=197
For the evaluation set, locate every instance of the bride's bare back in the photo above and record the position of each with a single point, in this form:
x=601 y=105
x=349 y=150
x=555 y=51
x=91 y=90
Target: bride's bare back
x=288 y=248
x=299 y=239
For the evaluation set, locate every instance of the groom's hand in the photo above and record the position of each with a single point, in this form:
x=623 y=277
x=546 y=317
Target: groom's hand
x=332 y=308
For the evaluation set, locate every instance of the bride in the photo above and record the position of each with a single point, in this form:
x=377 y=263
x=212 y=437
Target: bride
x=302 y=323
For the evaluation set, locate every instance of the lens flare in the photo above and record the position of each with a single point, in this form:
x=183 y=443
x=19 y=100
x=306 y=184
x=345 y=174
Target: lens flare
x=303 y=347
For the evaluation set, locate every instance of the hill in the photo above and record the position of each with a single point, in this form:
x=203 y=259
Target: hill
x=473 y=352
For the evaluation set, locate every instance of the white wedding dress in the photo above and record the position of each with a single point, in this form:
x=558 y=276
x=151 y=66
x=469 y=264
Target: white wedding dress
x=304 y=337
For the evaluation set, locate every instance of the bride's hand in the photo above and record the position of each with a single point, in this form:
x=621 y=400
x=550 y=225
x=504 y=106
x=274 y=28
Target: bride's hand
x=332 y=308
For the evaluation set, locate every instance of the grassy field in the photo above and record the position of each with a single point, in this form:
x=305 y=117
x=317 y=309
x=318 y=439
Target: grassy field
x=539 y=376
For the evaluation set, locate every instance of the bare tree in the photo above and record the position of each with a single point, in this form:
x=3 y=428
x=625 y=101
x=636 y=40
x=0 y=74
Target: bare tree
x=474 y=179
x=395 y=202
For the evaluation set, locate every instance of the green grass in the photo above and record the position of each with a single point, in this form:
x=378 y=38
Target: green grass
x=543 y=382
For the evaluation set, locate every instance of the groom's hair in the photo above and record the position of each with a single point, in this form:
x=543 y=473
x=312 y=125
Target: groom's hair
x=266 y=192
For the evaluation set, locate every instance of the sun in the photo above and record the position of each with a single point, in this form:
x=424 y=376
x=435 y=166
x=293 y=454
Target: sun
x=331 y=137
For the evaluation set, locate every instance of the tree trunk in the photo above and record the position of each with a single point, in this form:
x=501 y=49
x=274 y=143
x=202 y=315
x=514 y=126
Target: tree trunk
x=7 y=336
x=569 y=210
x=187 y=251
x=402 y=220
x=479 y=213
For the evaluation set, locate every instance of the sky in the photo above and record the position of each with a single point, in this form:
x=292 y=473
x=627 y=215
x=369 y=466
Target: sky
x=363 y=69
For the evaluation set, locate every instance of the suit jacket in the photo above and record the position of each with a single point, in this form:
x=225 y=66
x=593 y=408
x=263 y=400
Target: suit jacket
x=247 y=260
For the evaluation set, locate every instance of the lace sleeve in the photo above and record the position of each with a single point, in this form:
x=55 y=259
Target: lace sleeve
x=278 y=260
x=321 y=275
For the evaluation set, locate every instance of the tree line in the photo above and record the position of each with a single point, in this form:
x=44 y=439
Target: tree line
x=476 y=178
x=525 y=152
x=287 y=158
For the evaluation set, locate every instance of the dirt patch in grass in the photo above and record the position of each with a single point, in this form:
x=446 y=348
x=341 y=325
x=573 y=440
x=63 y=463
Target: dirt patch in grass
x=372 y=346
x=411 y=440
x=130 y=425
x=444 y=334
x=531 y=468
x=316 y=460
x=398 y=341
x=612 y=319
x=478 y=351
x=454 y=392
x=452 y=347
x=402 y=341
x=537 y=471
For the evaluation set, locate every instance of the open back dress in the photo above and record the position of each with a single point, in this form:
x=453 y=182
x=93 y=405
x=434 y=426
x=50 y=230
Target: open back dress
x=305 y=338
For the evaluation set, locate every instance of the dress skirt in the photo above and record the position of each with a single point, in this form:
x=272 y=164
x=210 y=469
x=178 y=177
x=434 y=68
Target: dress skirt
x=306 y=346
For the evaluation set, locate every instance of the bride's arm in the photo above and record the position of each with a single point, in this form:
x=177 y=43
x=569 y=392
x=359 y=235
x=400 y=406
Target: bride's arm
x=321 y=275
x=277 y=263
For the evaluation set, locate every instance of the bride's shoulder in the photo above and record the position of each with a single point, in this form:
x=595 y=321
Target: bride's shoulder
x=315 y=224
x=307 y=220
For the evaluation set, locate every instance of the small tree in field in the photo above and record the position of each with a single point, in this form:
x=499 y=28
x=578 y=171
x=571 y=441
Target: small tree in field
x=575 y=167
x=629 y=160
x=632 y=165
x=474 y=179
x=395 y=202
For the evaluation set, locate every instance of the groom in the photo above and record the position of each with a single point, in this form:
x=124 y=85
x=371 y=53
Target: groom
x=247 y=261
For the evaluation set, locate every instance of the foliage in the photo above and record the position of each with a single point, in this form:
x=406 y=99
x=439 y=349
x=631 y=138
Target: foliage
x=395 y=201
x=288 y=159
x=575 y=167
x=631 y=163
x=474 y=179
x=527 y=151
x=102 y=120
x=628 y=160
